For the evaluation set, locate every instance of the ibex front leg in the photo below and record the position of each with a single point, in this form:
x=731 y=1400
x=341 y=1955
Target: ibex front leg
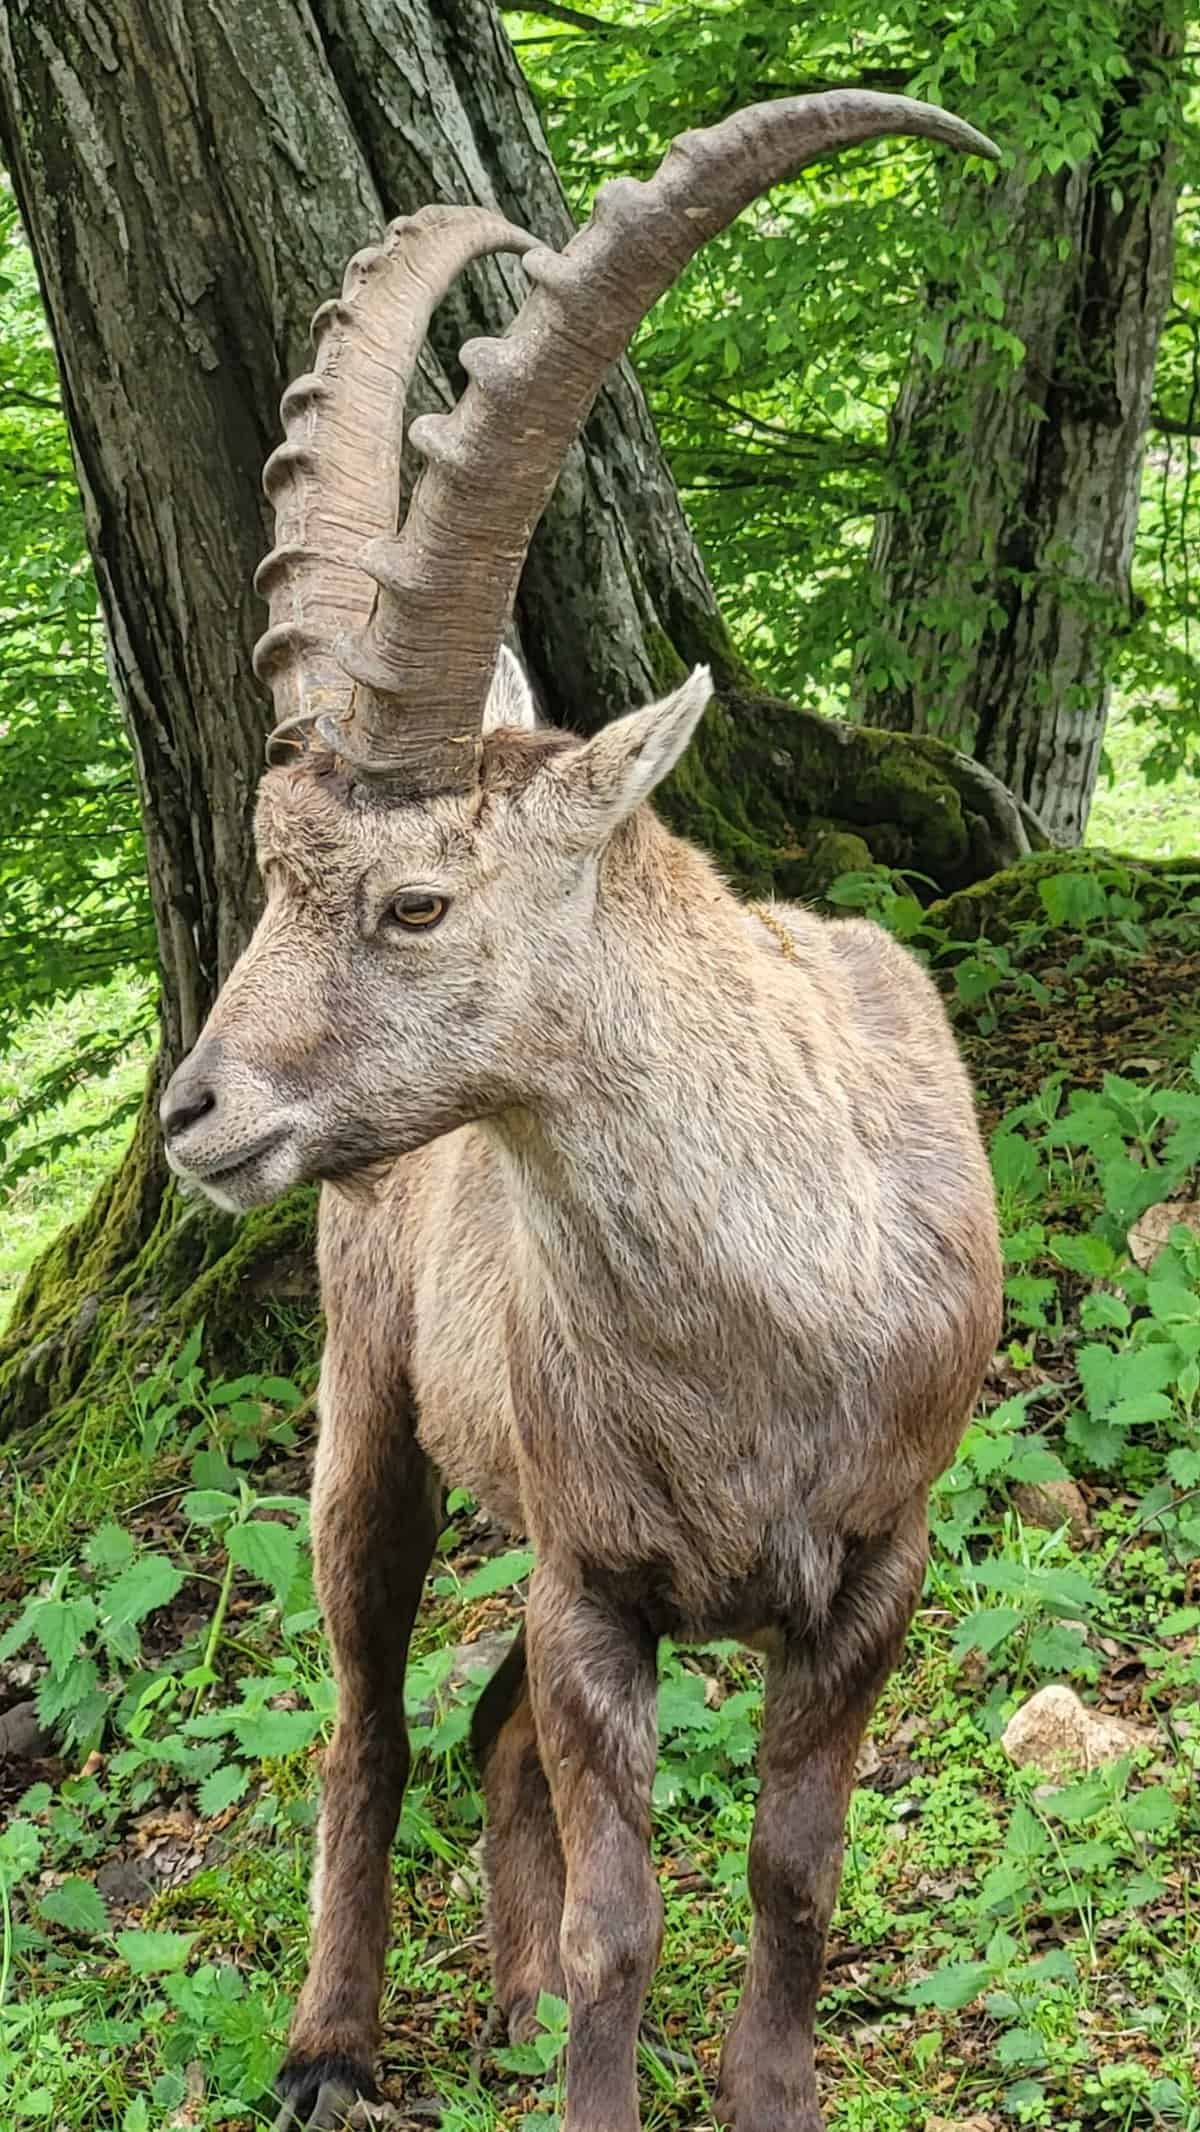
x=374 y=1529
x=592 y=1673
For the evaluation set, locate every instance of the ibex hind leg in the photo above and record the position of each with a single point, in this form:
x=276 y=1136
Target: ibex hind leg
x=375 y=1524
x=819 y=1700
x=522 y=1853
x=593 y=1682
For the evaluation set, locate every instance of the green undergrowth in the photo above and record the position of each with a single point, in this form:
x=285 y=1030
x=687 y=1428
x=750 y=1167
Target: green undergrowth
x=1129 y=813
x=64 y=1117
x=1011 y=1947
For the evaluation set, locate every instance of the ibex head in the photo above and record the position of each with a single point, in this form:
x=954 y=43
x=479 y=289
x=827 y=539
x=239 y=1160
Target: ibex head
x=430 y=862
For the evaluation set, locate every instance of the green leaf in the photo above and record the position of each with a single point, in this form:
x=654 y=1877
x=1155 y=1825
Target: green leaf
x=188 y=1354
x=60 y=1626
x=20 y=1851
x=221 y=1788
x=1100 y=1310
x=207 y=1506
x=1002 y=1882
x=280 y=1391
x=153 y=1953
x=986 y=1629
x=1058 y=1649
x=951 y=1987
x=1033 y=1462
x=681 y=1704
x=150 y=1582
x=267 y=1551
x=211 y=1470
x=1085 y=1254
x=109 y=1548
x=1021 y=2046
x=1151 y=1810
x=20 y=1631
x=498 y=1575
x=1072 y=899
x=75 y=1905
x=270 y=1734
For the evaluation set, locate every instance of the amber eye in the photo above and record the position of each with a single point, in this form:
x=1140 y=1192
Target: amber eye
x=415 y=907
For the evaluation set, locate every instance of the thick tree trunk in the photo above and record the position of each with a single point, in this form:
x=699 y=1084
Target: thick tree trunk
x=193 y=180
x=1002 y=571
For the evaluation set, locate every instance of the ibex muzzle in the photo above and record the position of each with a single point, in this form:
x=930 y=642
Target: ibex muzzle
x=677 y=1247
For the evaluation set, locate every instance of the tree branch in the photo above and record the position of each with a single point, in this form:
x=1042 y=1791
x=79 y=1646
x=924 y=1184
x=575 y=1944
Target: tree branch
x=29 y=399
x=569 y=15
x=1172 y=425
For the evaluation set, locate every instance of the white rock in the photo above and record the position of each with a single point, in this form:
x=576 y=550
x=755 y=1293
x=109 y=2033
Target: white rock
x=1057 y=1733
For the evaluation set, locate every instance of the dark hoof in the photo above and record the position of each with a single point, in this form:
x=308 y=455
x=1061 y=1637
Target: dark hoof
x=319 y=2094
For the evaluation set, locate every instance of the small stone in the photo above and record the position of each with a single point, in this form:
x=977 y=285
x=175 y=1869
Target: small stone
x=1060 y=1735
x=869 y=1761
x=1152 y=1230
x=22 y=1738
x=1050 y=1504
x=128 y=1882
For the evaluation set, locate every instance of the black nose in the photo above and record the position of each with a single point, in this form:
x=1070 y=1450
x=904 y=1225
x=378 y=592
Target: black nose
x=185 y=1102
x=191 y=1092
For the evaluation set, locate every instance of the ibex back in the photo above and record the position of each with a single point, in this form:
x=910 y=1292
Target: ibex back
x=661 y=1225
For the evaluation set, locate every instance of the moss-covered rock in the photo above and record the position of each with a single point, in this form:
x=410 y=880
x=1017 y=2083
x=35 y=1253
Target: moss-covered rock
x=992 y=907
x=764 y=781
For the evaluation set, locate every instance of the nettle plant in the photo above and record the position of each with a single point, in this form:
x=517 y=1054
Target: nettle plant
x=1089 y=1855
x=1092 y=918
x=107 y=1665
x=1114 y=1154
x=1124 y=1409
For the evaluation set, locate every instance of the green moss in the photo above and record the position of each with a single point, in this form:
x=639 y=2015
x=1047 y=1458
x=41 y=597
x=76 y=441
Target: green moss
x=122 y=1287
x=1010 y=898
x=906 y=782
x=764 y=781
x=831 y=849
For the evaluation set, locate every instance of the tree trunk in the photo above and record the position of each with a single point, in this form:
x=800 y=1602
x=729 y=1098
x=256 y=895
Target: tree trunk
x=1001 y=571
x=193 y=180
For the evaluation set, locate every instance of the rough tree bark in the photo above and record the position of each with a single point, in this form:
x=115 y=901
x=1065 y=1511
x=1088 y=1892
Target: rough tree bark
x=192 y=181
x=1001 y=576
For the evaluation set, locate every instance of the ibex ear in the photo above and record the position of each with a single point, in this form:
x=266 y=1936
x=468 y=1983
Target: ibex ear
x=510 y=698
x=603 y=782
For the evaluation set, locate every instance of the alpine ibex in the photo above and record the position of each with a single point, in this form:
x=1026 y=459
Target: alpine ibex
x=659 y=1223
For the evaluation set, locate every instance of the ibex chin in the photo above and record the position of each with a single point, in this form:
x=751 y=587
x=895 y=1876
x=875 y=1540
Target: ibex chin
x=661 y=1225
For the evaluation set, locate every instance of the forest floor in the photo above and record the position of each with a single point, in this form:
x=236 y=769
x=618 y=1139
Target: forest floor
x=1012 y=1946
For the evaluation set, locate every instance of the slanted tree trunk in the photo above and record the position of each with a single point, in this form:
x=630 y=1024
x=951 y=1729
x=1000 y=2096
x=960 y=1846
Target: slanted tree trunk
x=1001 y=573
x=193 y=180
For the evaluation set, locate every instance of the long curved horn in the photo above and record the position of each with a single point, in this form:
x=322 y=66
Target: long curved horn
x=335 y=480
x=447 y=583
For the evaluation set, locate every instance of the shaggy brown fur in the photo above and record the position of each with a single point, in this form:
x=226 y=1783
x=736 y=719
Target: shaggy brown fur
x=670 y=1239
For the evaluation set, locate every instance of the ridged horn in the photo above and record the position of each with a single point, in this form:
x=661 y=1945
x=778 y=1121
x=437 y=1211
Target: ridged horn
x=446 y=584
x=334 y=484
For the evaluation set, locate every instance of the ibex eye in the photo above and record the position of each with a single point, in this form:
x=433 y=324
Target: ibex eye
x=414 y=907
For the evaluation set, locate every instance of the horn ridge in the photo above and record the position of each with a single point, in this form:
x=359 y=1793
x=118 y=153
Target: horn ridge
x=446 y=590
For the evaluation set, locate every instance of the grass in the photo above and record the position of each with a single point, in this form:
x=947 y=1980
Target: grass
x=36 y=1205
x=1010 y=1948
x=1151 y=821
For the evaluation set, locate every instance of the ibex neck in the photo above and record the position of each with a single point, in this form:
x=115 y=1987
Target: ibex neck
x=693 y=1137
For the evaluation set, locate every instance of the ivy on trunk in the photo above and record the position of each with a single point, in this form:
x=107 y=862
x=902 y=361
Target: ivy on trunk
x=1001 y=565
